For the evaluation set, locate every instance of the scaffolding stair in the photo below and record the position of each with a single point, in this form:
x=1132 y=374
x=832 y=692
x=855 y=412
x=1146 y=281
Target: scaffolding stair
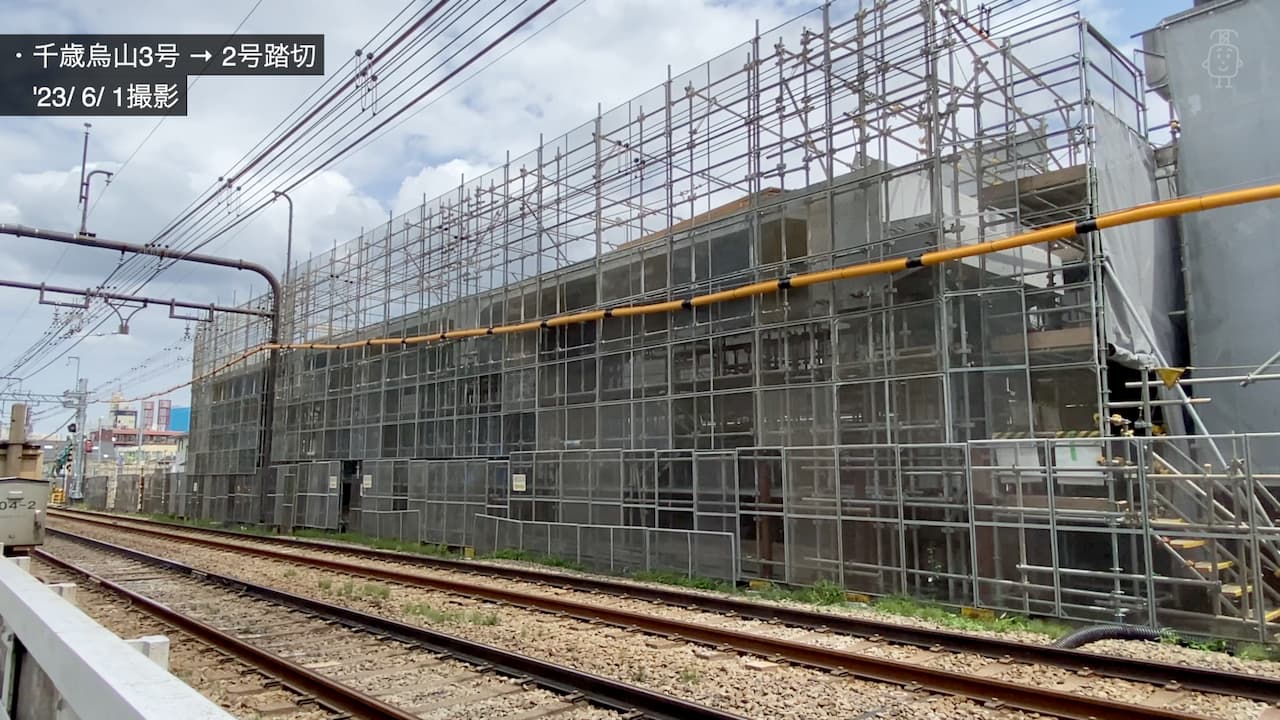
x=1189 y=499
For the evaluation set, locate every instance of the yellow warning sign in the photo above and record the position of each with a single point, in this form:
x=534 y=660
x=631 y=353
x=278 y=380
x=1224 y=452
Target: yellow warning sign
x=1170 y=376
x=978 y=613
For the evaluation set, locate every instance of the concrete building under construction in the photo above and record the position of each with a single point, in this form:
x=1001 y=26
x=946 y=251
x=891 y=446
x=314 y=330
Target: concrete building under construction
x=985 y=432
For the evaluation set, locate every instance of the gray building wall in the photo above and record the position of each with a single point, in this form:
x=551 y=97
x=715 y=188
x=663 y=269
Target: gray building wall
x=1220 y=72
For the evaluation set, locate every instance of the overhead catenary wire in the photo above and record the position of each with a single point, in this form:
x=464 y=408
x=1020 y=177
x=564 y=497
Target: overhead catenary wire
x=51 y=340
x=215 y=220
x=119 y=170
x=340 y=153
x=904 y=48
x=219 y=232
x=470 y=77
x=116 y=174
x=212 y=215
x=51 y=335
x=264 y=182
x=211 y=193
x=1060 y=231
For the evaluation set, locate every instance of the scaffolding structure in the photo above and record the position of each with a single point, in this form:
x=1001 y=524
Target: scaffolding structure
x=941 y=432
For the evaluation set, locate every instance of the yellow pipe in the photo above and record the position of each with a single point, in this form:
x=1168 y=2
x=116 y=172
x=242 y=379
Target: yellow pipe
x=650 y=309
x=737 y=293
x=561 y=320
x=521 y=327
x=1062 y=231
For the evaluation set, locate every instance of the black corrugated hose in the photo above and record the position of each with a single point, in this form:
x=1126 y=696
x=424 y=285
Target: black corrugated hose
x=1108 y=632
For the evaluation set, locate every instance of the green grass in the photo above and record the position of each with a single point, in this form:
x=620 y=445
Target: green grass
x=453 y=617
x=201 y=523
x=670 y=578
x=290 y=573
x=404 y=546
x=325 y=584
x=374 y=590
x=946 y=617
x=1242 y=650
x=526 y=556
x=479 y=618
x=823 y=593
x=1257 y=651
x=689 y=676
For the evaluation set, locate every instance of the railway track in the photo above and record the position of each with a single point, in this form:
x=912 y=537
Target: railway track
x=1262 y=689
x=213 y=672
x=299 y=658
x=1006 y=682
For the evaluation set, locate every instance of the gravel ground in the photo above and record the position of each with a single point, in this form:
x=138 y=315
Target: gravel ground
x=852 y=609
x=448 y=607
x=201 y=666
x=726 y=680
x=436 y=687
x=1179 y=655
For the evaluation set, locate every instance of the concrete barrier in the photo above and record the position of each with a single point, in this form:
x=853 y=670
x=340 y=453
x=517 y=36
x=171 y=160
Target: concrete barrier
x=56 y=663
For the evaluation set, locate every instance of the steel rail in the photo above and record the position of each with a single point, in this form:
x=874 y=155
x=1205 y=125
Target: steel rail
x=562 y=680
x=329 y=692
x=1260 y=688
x=1263 y=689
x=973 y=687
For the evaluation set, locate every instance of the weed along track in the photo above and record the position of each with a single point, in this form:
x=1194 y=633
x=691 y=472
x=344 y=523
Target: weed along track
x=744 y=665
x=914 y=625
x=354 y=663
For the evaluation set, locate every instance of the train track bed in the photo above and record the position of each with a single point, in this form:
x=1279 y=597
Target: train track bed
x=421 y=683
x=851 y=620
x=736 y=683
x=718 y=677
x=211 y=671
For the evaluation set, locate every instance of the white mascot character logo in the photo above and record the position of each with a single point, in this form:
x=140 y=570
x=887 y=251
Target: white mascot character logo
x=1224 y=62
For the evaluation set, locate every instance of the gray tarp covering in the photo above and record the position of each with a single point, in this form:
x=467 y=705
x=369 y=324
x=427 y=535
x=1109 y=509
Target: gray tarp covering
x=1142 y=256
x=1222 y=72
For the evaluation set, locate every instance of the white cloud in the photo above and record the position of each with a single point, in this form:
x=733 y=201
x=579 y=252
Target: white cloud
x=434 y=181
x=601 y=55
x=604 y=52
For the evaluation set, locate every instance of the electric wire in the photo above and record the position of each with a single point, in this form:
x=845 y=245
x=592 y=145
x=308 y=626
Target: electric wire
x=166 y=116
x=366 y=137
x=239 y=219
x=116 y=174
x=155 y=240
x=52 y=334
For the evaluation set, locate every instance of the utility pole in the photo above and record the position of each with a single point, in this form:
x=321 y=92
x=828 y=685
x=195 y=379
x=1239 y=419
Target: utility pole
x=273 y=356
x=288 y=247
x=78 y=399
x=84 y=158
x=85 y=180
x=142 y=404
x=82 y=419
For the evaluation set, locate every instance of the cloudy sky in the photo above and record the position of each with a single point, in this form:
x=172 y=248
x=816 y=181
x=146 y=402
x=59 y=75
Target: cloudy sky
x=601 y=51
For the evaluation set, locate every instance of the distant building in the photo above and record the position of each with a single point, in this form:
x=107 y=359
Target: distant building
x=180 y=419
x=132 y=452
